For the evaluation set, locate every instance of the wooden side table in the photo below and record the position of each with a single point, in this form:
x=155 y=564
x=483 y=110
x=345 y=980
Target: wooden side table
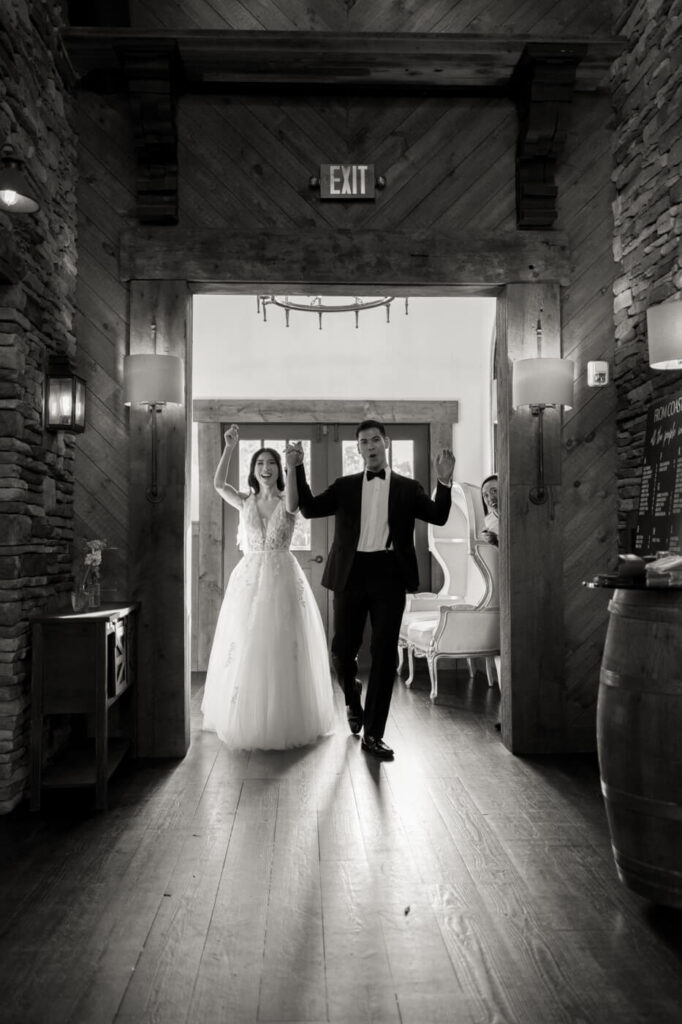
x=84 y=665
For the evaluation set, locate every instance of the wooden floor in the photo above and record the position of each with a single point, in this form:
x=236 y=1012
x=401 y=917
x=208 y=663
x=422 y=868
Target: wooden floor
x=457 y=884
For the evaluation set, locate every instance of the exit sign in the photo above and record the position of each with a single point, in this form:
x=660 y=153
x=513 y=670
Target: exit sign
x=347 y=181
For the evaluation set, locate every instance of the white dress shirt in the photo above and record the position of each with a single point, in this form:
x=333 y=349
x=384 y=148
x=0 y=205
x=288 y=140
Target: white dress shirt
x=374 y=513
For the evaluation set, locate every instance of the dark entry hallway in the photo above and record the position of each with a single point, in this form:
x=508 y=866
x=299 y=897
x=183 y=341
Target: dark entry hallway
x=459 y=883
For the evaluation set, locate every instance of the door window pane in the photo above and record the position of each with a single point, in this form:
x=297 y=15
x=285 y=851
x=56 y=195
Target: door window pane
x=279 y=444
x=351 y=461
x=301 y=538
x=402 y=457
x=247 y=450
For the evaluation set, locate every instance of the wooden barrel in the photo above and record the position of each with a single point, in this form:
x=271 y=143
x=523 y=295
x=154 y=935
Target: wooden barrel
x=639 y=739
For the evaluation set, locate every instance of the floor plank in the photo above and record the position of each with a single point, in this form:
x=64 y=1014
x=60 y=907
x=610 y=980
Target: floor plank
x=458 y=883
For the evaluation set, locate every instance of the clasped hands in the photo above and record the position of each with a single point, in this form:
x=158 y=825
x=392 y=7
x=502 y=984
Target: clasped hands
x=293 y=455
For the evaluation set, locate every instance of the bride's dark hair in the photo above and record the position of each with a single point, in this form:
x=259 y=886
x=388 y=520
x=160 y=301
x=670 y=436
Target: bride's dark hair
x=252 y=482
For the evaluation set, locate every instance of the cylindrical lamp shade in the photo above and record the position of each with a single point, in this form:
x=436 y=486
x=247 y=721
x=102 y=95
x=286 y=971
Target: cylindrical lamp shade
x=664 y=329
x=153 y=380
x=543 y=381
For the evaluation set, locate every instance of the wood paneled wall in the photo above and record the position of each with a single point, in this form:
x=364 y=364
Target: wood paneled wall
x=244 y=165
x=246 y=161
x=106 y=207
x=589 y=429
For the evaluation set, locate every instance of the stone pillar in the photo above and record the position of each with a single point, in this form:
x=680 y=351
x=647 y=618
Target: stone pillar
x=647 y=92
x=36 y=311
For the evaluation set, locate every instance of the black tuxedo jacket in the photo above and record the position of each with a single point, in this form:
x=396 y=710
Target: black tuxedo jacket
x=407 y=501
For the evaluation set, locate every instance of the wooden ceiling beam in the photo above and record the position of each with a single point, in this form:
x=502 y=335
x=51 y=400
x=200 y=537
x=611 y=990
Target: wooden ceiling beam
x=372 y=259
x=217 y=59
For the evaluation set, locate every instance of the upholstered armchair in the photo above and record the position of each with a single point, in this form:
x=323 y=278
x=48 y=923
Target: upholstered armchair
x=452 y=547
x=463 y=619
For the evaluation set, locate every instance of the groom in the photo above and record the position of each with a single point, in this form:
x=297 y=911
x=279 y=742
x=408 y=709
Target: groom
x=371 y=565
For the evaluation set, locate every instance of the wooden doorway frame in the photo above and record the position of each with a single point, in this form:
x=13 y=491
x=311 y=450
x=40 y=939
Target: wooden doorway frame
x=164 y=267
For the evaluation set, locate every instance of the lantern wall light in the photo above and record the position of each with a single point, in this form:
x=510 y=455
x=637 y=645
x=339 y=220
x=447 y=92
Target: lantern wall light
x=16 y=194
x=153 y=380
x=64 y=397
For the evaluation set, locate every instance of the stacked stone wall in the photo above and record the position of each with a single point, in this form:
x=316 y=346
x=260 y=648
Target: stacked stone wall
x=647 y=95
x=37 y=287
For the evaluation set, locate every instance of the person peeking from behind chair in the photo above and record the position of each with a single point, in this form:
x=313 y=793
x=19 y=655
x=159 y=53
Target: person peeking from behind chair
x=491 y=510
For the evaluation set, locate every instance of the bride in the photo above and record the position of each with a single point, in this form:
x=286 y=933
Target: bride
x=268 y=684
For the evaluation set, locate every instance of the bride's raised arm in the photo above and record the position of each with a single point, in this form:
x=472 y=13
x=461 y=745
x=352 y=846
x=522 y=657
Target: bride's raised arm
x=293 y=457
x=226 y=491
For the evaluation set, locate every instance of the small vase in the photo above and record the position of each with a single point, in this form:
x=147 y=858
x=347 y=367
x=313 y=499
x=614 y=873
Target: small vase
x=79 y=599
x=94 y=594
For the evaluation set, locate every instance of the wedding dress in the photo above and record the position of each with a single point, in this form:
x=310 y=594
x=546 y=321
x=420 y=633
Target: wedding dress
x=268 y=684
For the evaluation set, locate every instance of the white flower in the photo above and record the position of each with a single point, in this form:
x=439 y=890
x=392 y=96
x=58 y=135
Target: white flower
x=93 y=556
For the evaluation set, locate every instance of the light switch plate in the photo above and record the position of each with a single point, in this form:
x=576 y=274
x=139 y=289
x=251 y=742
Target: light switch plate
x=597 y=374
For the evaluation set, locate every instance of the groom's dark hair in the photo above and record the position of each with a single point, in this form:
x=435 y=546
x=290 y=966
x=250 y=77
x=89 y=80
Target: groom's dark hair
x=370 y=425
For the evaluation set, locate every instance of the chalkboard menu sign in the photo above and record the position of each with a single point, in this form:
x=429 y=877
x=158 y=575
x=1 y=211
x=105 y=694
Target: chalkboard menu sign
x=659 y=518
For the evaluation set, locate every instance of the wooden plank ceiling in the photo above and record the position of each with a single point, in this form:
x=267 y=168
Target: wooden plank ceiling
x=548 y=17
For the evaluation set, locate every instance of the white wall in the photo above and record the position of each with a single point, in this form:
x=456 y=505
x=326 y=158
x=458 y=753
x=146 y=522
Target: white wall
x=440 y=350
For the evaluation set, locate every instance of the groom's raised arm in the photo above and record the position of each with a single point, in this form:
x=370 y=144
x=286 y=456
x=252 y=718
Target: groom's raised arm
x=436 y=511
x=433 y=510
x=314 y=506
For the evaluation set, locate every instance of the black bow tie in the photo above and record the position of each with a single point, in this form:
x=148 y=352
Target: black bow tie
x=381 y=474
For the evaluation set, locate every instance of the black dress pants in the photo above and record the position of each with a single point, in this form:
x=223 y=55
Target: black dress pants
x=374 y=588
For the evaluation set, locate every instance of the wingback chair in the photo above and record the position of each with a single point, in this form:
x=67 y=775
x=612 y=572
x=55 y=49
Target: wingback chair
x=463 y=619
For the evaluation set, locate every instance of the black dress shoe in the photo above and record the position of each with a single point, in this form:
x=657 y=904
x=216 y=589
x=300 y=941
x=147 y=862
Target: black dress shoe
x=377 y=748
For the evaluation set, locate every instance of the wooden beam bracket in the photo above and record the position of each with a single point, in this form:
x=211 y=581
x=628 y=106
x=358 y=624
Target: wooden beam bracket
x=542 y=86
x=153 y=75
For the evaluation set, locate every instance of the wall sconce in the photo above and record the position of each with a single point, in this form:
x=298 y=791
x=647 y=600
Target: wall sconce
x=64 y=397
x=154 y=381
x=541 y=383
x=664 y=330
x=16 y=195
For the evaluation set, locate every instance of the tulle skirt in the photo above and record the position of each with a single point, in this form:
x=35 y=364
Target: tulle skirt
x=268 y=683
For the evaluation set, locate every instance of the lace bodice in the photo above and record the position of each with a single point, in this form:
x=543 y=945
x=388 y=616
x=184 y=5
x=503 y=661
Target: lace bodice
x=256 y=535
